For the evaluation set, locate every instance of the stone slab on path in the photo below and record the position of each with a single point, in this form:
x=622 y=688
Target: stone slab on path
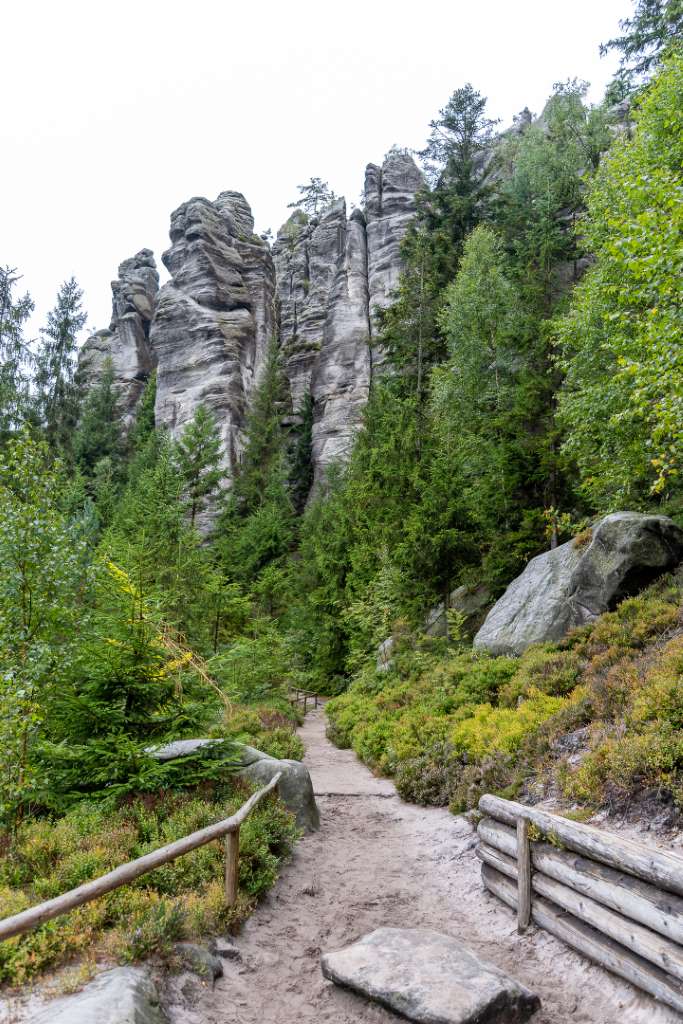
x=429 y=978
x=124 y=995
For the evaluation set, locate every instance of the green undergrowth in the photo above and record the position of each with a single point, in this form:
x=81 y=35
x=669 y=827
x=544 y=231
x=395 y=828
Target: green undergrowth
x=180 y=900
x=268 y=727
x=595 y=718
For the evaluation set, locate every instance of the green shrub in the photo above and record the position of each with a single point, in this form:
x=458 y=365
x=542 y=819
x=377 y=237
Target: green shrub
x=184 y=898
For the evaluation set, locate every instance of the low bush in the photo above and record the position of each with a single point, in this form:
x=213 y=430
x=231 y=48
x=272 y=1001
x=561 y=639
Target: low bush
x=450 y=726
x=179 y=900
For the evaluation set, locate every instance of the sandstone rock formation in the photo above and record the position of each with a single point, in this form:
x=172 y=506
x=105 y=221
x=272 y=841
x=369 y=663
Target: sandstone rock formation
x=213 y=318
x=332 y=272
x=208 y=329
x=429 y=978
x=573 y=585
x=126 y=341
x=389 y=207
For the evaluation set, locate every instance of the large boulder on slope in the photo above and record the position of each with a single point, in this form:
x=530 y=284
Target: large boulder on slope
x=429 y=978
x=573 y=584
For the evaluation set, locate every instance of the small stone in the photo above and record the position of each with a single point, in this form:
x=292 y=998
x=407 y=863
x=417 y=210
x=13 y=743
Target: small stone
x=429 y=978
x=199 y=960
x=225 y=949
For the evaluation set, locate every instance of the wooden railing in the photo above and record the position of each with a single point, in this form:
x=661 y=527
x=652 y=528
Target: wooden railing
x=298 y=696
x=126 y=873
x=617 y=901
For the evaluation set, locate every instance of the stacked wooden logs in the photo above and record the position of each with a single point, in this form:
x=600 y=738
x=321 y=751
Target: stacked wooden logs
x=618 y=902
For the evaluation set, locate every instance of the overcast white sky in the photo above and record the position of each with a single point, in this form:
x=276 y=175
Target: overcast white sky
x=115 y=113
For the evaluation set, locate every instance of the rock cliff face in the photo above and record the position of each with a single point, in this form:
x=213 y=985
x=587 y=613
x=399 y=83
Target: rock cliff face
x=213 y=318
x=332 y=273
x=207 y=330
x=389 y=207
x=126 y=341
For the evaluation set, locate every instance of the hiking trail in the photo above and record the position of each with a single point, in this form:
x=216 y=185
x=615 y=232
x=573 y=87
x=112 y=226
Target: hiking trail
x=378 y=861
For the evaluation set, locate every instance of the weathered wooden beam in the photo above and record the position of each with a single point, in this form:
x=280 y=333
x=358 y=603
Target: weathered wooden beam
x=523 y=868
x=663 y=869
x=31 y=918
x=591 y=943
x=638 y=900
x=659 y=951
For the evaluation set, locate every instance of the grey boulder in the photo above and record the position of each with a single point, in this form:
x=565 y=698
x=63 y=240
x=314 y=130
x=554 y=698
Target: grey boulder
x=429 y=978
x=124 y=995
x=295 y=787
x=571 y=585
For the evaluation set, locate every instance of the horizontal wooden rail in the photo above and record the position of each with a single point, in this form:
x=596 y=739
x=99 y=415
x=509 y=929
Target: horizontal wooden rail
x=615 y=900
x=663 y=869
x=299 y=696
x=126 y=873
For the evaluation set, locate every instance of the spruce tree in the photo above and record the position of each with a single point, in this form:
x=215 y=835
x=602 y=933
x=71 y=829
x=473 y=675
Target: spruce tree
x=198 y=453
x=14 y=353
x=655 y=28
x=56 y=366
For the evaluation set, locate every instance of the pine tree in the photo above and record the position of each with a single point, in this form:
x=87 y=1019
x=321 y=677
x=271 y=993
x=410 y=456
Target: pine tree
x=14 y=353
x=98 y=435
x=56 y=366
x=655 y=28
x=301 y=473
x=198 y=453
x=315 y=197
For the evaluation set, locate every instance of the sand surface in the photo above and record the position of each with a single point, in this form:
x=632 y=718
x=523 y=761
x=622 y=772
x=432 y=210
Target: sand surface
x=379 y=861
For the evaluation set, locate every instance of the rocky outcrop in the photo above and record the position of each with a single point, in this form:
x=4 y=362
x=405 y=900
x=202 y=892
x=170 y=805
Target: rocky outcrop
x=574 y=583
x=214 y=317
x=208 y=329
x=429 y=978
x=294 y=788
x=389 y=208
x=126 y=341
x=332 y=271
x=124 y=995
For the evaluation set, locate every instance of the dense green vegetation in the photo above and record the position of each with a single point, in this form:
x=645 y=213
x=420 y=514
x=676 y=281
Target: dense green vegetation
x=533 y=381
x=449 y=726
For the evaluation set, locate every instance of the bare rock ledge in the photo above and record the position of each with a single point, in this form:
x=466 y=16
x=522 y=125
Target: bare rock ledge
x=429 y=978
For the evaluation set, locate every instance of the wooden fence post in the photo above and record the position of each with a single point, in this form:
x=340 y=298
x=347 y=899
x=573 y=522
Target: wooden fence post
x=232 y=866
x=523 y=876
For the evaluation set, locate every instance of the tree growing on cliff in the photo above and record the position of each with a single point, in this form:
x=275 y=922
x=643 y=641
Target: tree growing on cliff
x=55 y=377
x=314 y=198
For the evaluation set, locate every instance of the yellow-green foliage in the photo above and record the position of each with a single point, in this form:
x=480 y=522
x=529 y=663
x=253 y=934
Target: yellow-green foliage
x=267 y=727
x=450 y=728
x=490 y=730
x=185 y=898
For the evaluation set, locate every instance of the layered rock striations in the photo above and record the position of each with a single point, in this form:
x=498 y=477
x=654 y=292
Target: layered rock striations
x=389 y=208
x=332 y=273
x=208 y=329
x=126 y=341
x=213 y=318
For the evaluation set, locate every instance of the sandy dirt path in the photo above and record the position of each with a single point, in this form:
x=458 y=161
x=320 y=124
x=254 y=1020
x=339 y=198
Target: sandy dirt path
x=379 y=861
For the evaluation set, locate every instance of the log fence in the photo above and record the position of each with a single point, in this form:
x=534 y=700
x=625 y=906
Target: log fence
x=617 y=901
x=126 y=873
x=302 y=697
